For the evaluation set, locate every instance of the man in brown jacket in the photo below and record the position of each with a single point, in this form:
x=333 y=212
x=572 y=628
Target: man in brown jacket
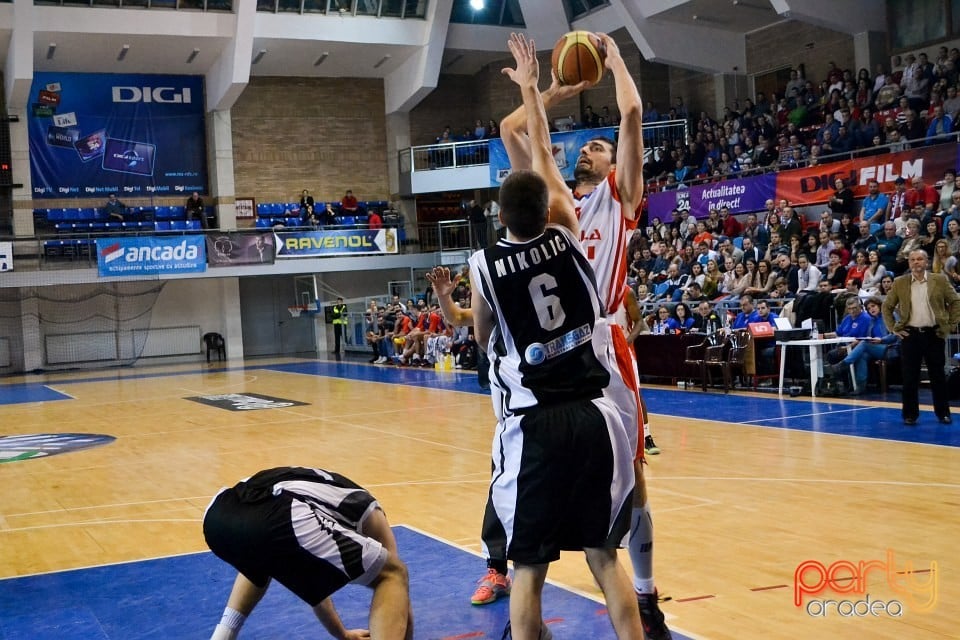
x=929 y=310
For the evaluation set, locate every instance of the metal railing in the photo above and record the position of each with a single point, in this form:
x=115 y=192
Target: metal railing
x=468 y=153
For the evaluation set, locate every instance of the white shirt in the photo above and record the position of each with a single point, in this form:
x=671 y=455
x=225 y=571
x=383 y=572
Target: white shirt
x=921 y=314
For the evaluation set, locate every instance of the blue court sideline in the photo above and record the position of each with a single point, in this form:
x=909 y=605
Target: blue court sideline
x=862 y=420
x=182 y=597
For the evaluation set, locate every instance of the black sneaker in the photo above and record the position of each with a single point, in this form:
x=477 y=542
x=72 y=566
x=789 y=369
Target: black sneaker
x=654 y=626
x=650 y=447
x=545 y=633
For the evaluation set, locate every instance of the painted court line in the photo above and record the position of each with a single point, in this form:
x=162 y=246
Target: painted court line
x=808 y=415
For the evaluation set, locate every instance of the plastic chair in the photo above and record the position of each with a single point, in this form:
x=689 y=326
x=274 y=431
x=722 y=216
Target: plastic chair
x=738 y=242
x=729 y=356
x=193 y=225
x=216 y=344
x=178 y=225
x=161 y=225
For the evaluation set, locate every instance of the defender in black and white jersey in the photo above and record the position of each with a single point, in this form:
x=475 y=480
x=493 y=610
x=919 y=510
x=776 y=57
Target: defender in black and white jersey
x=314 y=531
x=563 y=460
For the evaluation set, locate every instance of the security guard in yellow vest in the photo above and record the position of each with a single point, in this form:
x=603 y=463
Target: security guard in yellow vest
x=339 y=322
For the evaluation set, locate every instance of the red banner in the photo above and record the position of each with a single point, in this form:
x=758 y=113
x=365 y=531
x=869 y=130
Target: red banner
x=812 y=185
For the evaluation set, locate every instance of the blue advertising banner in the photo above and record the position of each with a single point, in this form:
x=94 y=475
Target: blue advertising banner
x=93 y=134
x=740 y=195
x=343 y=242
x=151 y=255
x=566 y=148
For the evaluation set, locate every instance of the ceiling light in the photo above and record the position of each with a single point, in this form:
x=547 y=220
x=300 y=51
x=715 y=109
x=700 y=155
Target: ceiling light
x=259 y=56
x=123 y=52
x=51 y=50
x=323 y=56
x=382 y=60
x=193 y=55
x=476 y=5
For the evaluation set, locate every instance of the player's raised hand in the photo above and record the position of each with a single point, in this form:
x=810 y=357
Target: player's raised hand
x=560 y=92
x=611 y=49
x=439 y=277
x=524 y=53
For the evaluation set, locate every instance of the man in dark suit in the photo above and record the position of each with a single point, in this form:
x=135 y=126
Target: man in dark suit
x=929 y=310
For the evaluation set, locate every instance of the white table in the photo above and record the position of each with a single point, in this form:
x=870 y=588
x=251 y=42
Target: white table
x=816 y=359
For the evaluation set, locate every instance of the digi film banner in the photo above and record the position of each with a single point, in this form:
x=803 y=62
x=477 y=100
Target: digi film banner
x=133 y=134
x=566 y=148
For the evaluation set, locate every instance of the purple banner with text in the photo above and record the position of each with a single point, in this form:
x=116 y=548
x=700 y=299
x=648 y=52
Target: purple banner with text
x=740 y=196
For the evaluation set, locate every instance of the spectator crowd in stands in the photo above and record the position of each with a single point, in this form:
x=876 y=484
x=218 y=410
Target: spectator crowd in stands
x=914 y=103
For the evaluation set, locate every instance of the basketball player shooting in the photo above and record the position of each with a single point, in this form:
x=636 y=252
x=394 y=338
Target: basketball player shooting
x=608 y=191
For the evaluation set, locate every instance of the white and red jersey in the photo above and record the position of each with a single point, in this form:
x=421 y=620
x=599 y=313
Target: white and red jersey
x=604 y=233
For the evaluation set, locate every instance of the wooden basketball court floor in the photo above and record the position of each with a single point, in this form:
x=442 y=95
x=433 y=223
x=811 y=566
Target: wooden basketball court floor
x=748 y=488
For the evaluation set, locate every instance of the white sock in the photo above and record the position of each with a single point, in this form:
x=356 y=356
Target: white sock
x=646 y=430
x=641 y=549
x=229 y=626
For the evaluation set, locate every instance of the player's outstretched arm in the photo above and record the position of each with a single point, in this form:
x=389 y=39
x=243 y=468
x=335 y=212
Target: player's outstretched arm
x=630 y=143
x=513 y=127
x=443 y=288
x=330 y=619
x=526 y=75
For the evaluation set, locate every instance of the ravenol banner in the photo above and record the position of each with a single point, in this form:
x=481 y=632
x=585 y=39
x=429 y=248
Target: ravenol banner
x=566 y=148
x=344 y=242
x=151 y=255
x=134 y=134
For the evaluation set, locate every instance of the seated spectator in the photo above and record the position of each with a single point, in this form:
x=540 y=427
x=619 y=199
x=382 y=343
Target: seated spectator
x=663 y=323
x=349 y=204
x=706 y=320
x=928 y=240
x=876 y=206
x=874 y=272
x=683 y=317
x=306 y=200
x=309 y=217
x=781 y=292
x=747 y=313
x=872 y=345
x=865 y=241
x=824 y=247
x=808 y=275
x=859 y=267
x=114 y=208
x=836 y=273
x=912 y=240
x=940 y=126
x=374 y=221
x=194 y=210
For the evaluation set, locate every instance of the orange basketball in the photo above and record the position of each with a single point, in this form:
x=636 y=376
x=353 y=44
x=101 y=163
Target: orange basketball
x=577 y=57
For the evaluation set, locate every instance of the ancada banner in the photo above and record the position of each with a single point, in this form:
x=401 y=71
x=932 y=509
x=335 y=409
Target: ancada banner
x=566 y=149
x=92 y=134
x=151 y=255
x=342 y=242
x=812 y=185
x=740 y=195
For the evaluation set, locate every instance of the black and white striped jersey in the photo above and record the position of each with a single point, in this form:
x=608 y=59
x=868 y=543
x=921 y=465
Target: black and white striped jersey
x=545 y=345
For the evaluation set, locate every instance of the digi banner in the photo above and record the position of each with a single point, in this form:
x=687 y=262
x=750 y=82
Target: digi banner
x=93 y=134
x=812 y=185
x=234 y=249
x=150 y=255
x=345 y=242
x=566 y=148
x=6 y=256
x=740 y=196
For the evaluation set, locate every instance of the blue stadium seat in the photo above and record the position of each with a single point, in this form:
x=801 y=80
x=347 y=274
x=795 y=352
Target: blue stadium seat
x=263 y=223
x=738 y=242
x=161 y=225
x=53 y=248
x=178 y=225
x=178 y=213
x=291 y=222
x=54 y=215
x=193 y=225
x=348 y=221
x=113 y=225
x=161 y=213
